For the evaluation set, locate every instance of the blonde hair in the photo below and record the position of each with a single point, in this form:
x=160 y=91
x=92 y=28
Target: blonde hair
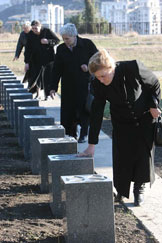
x=100 y=60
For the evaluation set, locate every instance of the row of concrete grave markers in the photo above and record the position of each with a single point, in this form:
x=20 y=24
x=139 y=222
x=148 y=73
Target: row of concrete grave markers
x=83 y=200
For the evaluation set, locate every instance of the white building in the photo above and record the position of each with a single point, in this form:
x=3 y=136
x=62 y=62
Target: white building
x=14 y=2
x=142 y=16
x=160 y=9
x=51 y=16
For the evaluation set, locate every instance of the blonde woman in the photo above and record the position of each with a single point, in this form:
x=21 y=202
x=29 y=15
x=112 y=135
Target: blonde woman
x=134 y=93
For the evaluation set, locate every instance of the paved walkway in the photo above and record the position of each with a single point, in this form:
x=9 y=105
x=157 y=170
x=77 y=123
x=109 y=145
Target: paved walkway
x=150 y=213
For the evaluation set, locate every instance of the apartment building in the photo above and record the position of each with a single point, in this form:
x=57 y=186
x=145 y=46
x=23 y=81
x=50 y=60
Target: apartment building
x=50 y=16
x=142 y=16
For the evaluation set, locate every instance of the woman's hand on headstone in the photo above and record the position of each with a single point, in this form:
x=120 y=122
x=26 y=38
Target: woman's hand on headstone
x=88 y=152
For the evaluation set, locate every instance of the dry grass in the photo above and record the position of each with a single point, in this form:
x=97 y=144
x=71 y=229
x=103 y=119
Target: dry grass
x=8 y=42
x=147 y=49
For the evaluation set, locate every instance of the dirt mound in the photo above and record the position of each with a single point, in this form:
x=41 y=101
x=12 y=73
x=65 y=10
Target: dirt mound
x=25 y=215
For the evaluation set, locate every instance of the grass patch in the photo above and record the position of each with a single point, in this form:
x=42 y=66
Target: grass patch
x=147 y=49
x=16 y=66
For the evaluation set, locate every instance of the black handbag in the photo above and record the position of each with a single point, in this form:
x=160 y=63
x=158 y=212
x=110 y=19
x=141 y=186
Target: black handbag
x=89 y=100
x=158 y=132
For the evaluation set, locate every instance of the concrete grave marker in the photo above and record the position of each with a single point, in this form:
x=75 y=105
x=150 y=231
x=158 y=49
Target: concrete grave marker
x=61 y=165
x=89 y=210
x=15 y=88
x=22 y=103
x=53 y=146
x=15 y=96
x=6 y=81
x=33 y=120
x=27 y=111
x=54 y=131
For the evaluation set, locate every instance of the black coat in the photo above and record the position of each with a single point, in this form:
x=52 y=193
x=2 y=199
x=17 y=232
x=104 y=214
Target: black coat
x=133 y=91
x=21 y=43
x=37 y=54
x=74 y=82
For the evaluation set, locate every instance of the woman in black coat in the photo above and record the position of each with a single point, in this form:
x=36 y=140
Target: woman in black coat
x=134 y=93
x=71 y=66
x=39 y=52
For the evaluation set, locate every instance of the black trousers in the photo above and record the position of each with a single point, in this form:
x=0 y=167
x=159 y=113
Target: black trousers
x=81 y=119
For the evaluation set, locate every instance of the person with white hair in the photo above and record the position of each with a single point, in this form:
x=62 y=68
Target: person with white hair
x=71 y=66
x=22 y=39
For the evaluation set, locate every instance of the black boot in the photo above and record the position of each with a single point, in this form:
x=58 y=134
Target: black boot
x=119 y=198
x=138 y=193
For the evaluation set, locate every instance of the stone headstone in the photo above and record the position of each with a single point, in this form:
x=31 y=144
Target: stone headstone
x=55 y=131
x=5 y=71
x=88 y=209
x=61 y=165
x=27 y=111
x=10 y=86
x=4 y=67
x=33 y=120
x=53 y=146
x=15 y=88
x=7 y=74
x=6 y=81
x=7 y=78
x=15 y=96
x=22 y=103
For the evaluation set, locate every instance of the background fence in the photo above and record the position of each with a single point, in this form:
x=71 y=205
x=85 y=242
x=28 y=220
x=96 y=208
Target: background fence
x=143 y=28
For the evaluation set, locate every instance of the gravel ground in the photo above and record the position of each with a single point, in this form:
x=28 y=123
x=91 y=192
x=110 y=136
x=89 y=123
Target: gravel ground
x=25 y=215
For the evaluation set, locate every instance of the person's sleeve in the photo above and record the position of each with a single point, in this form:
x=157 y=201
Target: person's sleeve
x=96 y=116
x=152 y=84
x=56 y=72
x=53 y=39
x=91 y=48
x=19 y=46
x=28 y=51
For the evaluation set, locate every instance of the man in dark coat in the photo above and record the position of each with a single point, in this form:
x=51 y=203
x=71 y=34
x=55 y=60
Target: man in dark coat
x=39 y=52
x=134 y=94
x=71 y=66
x=22 y=39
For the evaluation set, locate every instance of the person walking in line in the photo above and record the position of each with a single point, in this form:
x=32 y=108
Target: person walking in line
x=71 y=66
x=22 y=39
x=39 y=52
x=134 y=94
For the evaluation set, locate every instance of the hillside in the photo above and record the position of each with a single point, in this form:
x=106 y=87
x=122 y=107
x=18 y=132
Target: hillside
x=20 y=9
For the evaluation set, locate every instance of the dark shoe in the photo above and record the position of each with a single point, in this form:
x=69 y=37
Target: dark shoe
x=82 y=139
x=138 y=194
x=138 y=200
x=119 y=198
